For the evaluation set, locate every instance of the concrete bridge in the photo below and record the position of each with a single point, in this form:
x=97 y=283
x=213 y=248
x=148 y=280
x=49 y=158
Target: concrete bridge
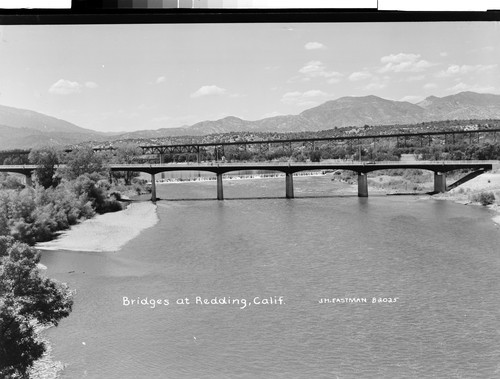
x=440 y=169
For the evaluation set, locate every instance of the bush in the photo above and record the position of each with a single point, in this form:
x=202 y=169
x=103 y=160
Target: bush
x=484 y=198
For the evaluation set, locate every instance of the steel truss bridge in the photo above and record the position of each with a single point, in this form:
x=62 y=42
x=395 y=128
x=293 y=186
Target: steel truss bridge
x=197 y=149
x=219 y=148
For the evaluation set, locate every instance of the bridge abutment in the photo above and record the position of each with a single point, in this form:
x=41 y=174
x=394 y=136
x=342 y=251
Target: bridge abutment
x=362 y=184
x=439 y=182
x=220 y=189
x=289 y=185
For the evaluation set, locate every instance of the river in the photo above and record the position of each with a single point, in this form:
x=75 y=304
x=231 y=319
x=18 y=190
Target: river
x=308 y=269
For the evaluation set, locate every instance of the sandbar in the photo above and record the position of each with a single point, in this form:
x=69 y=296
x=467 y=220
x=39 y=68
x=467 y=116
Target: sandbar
x=106 y=232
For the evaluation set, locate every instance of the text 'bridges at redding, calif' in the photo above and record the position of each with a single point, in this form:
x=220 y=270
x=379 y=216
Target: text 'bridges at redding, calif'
x=440 y=168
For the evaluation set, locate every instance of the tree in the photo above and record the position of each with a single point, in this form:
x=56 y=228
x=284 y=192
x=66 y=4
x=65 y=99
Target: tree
x=26 y=299
x=83 y=161
x=47 y=160
x=126 y=153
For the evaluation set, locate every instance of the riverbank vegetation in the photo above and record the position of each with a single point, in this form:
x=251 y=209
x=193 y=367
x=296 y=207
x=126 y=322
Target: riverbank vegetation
x=27 y=300
x=62 y=196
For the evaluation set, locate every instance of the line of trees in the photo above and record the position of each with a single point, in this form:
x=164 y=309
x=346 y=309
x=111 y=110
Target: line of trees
x=374 y=151
x=60 y=198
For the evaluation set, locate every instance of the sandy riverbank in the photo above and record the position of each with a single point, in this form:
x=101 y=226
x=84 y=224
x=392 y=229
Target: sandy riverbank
x=107 y=232
x=488 y=182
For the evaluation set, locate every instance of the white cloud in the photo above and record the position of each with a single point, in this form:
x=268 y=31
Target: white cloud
x=465 y=69
x=403 y=63
x=316 y=69
x=208 y=90
x=67 y=87
x=308 y=98
x=443 y=54
x=314 y=46
x=160 y=79
x=430 y=85
x=91 y=85
x=360 y=75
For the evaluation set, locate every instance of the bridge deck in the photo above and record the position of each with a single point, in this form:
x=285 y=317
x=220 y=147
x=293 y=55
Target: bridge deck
x=360 y=167
x=440 y=168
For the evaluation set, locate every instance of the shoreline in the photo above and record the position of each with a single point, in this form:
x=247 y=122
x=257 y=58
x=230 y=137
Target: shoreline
x=106 y=232
x=110 y=231
x=487 y=182
x=45 y=367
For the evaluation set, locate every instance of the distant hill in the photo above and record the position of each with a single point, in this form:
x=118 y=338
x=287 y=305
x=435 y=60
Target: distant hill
x=349 y=111
x=359 y=111
x=464 y=105
x=21 y=128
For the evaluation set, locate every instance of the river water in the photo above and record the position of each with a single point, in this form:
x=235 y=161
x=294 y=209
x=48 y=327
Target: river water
x=434 y=265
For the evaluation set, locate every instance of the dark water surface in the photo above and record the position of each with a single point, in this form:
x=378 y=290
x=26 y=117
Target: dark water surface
x=439 y=260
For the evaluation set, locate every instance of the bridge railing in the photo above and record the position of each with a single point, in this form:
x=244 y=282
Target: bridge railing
x=270 y=163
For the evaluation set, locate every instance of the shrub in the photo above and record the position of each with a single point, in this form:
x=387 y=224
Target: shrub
x=484 y=198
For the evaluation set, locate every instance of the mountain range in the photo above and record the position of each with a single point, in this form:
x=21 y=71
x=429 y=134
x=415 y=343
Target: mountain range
x=20 y=128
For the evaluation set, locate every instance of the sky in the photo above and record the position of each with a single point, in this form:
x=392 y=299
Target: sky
x=133 y=77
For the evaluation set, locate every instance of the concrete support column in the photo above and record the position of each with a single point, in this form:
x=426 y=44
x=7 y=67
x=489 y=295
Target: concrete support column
x=29 y=181
x=153 y=188
x=362 y=184
x=439 y=182
x=220 y=189
x=289 y=185
x=162 y=160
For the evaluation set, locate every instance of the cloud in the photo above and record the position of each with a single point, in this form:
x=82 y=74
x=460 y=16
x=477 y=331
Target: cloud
x=430 y=85
x=67 y=87
x=91 y=85
x=403 y=63
x=308 y=98
x=316 y=69
x=360 y=75
x=314 y=46
x=455 y=69
x=208 y=90
x=160 y=79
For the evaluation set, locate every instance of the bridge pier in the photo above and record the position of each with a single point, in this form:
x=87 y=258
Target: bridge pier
x=162 y=161
x=439 y=182
x=220 y=189
x=153 y=188
x=362 y=184
x=29 y=180
x=289 y=185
